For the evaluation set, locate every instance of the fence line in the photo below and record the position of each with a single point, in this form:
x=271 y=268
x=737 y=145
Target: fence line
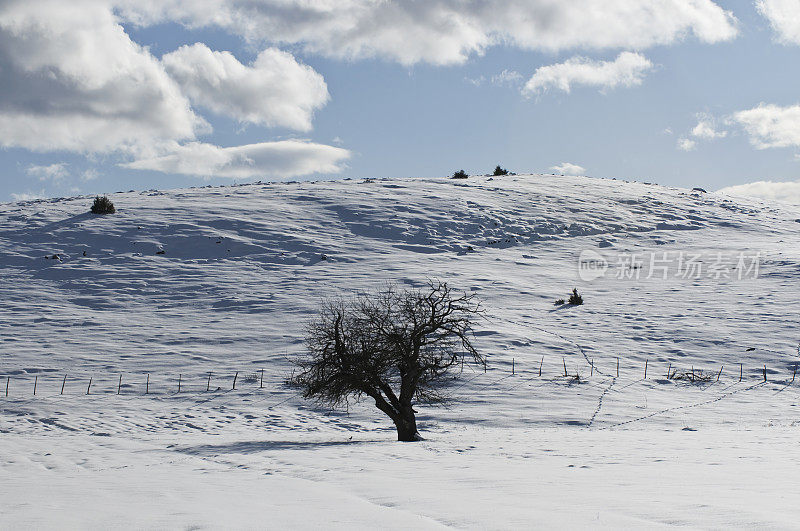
x=38 y=384
x=21 y=385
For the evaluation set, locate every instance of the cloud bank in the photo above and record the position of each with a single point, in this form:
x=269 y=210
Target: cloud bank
x=50 y=172
x=788 y=192
x=770 y=126
x=784 y=17
x=73 y=80
x=567 y=168
x=29 y=195
x=445 y=31
x=287 y=158
x=275 y=90
x=627 y=70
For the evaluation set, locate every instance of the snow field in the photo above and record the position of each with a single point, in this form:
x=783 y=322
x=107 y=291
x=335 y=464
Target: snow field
x=243 y=270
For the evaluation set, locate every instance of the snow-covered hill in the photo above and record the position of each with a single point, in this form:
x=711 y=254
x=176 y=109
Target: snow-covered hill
x=198 y=285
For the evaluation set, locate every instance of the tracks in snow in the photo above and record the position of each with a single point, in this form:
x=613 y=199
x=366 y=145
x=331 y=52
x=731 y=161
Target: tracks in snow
x=687 y=406
x=600 y=402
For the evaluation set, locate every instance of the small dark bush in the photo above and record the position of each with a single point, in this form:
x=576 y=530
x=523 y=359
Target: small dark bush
x=693 y=376
x=253 y=377
x=103 y=205
x=500 y=171
x=575 y=299
x=460 y=174
x=560 y=302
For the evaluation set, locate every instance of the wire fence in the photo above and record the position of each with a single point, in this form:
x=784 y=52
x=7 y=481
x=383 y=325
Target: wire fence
x=54 y=382
x=50 y=382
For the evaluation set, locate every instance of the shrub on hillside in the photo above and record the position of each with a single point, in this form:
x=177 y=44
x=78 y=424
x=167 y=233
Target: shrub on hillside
x=500 y=171
x=693 y=376
x=460 y=174
x=103 y=205
x=253 y=377
x=575 y=299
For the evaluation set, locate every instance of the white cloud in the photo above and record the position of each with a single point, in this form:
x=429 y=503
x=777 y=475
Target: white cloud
x=788 y=192
x=627 y=69
x=445 y=31
x=507 y=77
x=275 y=90
x=706 y=128
x=283 y=159
x=567 y=168
x=784 y=17
x=28 y=196
x=770 y=126
x=51 y=172
x=73 y=80
x=90 y=175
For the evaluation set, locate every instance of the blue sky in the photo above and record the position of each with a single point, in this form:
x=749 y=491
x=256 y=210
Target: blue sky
x=106 y=95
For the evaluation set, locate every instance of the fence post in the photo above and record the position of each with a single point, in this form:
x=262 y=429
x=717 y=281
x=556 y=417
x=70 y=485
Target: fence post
x=234 y=379
x=119 y=385
x=208 y=384
x=35 y=381
x=795 y=372
x=617 y=367
x=741 y=370
x=8 y=379
x=90 y=385
x=565 y=366
x=147 y=387
x=63 y=383
x=720 y=371
x=765 y=373
x=669 y=370
x=179 y=382
x=540 y=366
x=261 y=386
x=645 y=369
x=512 y=366
x=592 y=364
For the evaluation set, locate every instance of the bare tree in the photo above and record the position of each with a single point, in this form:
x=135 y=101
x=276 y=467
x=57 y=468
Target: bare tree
x=394 y=346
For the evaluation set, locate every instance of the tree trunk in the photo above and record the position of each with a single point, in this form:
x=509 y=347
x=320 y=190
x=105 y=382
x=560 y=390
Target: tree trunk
x=407 y=427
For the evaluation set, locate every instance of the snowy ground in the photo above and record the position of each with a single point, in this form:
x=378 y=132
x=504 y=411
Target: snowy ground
x=242 y=271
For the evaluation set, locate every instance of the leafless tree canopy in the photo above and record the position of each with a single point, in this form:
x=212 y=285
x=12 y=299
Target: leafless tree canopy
x=394 y=346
